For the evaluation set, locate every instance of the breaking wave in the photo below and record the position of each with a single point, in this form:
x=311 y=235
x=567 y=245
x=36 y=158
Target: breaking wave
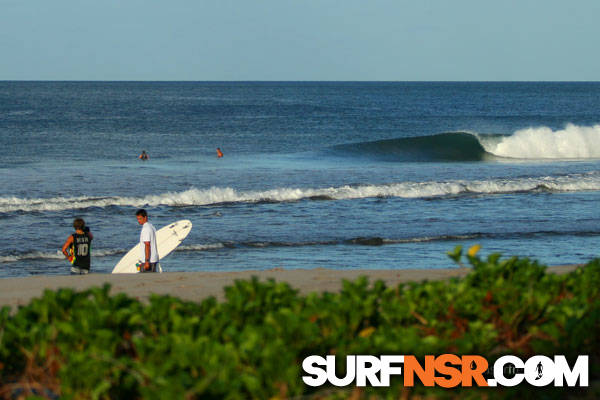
x=540 y=143
x=572 y=142
x=213 y=196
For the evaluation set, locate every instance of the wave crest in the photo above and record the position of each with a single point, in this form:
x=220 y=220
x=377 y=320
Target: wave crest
x=215 y=195
x=536 y=143
x=572 y=142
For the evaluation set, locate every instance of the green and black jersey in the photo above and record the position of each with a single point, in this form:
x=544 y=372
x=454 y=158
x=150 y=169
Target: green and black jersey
x=81 y=250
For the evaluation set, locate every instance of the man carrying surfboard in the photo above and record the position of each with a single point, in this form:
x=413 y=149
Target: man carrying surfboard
x=149 y=252
x=167 y=239
x=77 y=248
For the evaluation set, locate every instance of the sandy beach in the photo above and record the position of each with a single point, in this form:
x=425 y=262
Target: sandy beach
x=195 y=286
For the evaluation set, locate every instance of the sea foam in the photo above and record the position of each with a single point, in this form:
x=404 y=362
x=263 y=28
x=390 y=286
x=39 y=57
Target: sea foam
x=572 y=142
x=53 y=255
x=215 y=195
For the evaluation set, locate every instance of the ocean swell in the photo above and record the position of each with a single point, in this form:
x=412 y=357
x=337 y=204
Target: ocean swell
x=449 y=146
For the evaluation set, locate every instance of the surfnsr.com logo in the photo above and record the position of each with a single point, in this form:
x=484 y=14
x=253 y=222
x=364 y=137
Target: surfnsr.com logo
x=446 y=370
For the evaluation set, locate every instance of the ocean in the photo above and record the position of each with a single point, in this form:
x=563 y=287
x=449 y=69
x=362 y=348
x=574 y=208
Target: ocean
x=361 y=175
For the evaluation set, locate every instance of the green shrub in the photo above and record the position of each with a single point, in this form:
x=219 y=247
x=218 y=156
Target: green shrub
x=91 y=344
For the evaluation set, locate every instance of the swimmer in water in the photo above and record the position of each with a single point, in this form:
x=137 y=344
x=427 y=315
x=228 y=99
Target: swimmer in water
x=144 y=156
x=219 y=153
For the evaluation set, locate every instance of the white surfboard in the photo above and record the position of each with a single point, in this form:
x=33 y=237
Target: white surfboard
x=167 y=239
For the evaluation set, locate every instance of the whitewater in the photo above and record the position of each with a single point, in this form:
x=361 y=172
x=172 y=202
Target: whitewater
x=572 y=142
x=215 y=195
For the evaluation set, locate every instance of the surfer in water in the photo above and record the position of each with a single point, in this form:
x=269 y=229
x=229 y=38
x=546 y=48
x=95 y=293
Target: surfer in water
x=77 y=248
x=149 y=254
x=219 y=152
x=144 y=156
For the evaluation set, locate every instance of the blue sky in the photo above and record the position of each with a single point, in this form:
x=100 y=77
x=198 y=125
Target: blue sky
x=381 y=40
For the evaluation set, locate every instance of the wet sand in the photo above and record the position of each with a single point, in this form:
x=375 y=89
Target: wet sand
x=196 y=286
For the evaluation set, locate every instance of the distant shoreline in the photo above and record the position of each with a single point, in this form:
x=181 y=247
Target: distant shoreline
x=196 y=286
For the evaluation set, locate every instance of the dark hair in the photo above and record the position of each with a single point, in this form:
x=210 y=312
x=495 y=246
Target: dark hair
x=141 y=212
x=78 y=224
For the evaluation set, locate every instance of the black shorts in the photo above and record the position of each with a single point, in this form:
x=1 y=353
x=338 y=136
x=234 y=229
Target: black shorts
x=152 y=267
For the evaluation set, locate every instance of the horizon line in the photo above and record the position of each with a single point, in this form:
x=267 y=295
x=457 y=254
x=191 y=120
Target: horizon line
x=299 y=81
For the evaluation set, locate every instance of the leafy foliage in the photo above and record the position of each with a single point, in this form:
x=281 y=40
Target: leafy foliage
x=94 y=345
